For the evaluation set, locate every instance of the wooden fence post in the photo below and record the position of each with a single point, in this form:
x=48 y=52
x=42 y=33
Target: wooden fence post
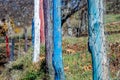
x=26 y=39
x=12 y=44
x=7 y=46
x=33 y=32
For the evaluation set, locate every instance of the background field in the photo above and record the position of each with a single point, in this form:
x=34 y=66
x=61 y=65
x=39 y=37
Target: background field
x=76 y=58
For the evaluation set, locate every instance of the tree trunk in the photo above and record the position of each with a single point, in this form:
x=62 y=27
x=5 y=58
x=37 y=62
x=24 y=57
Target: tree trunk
x=97 y=40
x=37 y=24
x=42 y=35
x=57 y=39
x=83 y=23
x=48 y=37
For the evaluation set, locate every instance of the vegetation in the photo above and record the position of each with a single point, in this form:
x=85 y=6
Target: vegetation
x=77 y=62
x=76 y=58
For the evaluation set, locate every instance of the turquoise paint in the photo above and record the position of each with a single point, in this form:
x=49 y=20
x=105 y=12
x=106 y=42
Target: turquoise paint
x=57 y=39
x=33 y=32
x=96 y=40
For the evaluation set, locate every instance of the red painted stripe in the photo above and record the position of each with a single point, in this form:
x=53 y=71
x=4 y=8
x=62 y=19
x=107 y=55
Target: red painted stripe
x=42 y=35
x=7 y=46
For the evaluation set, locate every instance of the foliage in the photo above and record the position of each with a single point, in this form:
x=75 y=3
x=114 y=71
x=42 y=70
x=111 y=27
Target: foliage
x=77 y=62
x=23 y=69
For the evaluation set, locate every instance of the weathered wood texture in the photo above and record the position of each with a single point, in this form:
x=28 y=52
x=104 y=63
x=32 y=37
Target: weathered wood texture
x=48 y=37
x=97 y=40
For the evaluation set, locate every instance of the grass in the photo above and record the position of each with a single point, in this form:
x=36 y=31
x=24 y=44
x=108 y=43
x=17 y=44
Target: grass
x=113 y=38
x=112 y=18
x=24 y=69
x=76 y=63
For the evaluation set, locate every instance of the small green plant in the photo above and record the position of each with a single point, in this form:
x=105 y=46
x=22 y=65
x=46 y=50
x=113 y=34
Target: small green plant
x=31 y=75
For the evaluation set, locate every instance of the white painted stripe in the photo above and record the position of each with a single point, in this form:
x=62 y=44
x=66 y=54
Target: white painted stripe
x=37 y=31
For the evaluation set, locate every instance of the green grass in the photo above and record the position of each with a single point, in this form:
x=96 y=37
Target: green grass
x=109 y=18
x=75 y=62
x=112 y=18
x=113 y=38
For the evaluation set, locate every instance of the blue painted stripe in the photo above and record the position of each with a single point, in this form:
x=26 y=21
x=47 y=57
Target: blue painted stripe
x=57 y=38
x=96 y=38
x=33 y=32
x=12 y=49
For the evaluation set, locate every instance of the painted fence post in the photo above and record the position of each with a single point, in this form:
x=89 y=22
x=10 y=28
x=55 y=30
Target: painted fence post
x=12 y=44
x=57 y=39
x=7 y=46
x=26 y=39
x=33 y=32
x=37 y=23
x=42 y=35
x=96 y=44
x=48 y=37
